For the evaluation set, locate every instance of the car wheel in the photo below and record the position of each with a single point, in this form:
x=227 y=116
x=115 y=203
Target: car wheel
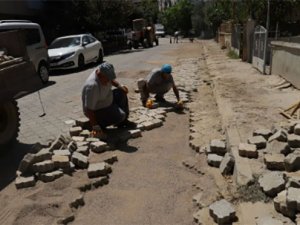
x=80 y=61
x=100 y=56
x=43 y=72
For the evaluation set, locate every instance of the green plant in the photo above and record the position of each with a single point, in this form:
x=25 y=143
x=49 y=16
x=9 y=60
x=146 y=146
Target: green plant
x=232 y=54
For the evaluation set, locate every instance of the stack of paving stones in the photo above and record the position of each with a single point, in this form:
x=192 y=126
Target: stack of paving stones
x=217 y=156
x=280 y=149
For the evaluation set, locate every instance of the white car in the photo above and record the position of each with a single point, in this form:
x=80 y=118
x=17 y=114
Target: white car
x=74 y=51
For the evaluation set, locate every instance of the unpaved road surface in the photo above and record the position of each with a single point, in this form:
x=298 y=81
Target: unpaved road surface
x=149 y=184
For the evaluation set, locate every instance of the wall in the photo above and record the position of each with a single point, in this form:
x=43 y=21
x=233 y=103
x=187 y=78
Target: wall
x=286 y=61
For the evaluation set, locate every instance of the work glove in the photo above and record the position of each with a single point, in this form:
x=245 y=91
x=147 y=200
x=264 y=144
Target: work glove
x=98 y=133
x=179 y=104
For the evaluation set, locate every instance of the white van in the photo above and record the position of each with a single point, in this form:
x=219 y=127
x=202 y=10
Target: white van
x=36 y=44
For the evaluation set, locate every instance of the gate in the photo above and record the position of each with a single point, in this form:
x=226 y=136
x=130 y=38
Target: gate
x=259 y=45
x=236 y=38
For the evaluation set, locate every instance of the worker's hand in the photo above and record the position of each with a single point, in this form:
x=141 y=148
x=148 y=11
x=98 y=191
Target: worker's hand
x=124 y=88
x=98 y=133
x=179 y=104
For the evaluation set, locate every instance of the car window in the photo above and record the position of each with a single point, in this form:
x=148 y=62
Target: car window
x=32 y=36
x=91 y=39
x=65 y=42
x=85 y=39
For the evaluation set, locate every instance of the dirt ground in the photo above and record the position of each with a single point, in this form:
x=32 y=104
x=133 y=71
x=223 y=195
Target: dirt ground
x=149 y=184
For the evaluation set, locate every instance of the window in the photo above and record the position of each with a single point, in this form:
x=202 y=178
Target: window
x=32 y=36
x=91 y=39
x=85 y=40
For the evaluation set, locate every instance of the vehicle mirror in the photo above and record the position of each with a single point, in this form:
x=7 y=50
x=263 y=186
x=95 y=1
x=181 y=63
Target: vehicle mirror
x=84 y=43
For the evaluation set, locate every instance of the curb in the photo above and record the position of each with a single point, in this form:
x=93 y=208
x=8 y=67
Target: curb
x=242 y=170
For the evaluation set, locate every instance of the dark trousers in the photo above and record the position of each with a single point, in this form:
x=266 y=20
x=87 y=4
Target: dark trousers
x=116 y=113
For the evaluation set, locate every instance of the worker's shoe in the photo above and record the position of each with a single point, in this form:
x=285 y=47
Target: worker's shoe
x=160 y=99
x=144 y=103
x=126 y=123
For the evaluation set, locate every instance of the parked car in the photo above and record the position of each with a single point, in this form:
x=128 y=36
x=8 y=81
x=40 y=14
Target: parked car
x=160 y=30
x=35 y=43
x=75 y=51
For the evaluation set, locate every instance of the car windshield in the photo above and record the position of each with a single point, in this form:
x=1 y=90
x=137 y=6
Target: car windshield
x=65 y=42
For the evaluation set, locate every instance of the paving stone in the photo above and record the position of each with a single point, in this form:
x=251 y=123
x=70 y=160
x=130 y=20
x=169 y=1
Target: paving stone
x=222 y=212
x=111 y=159
x=70 y=122
x=44 y=154
x=293 y=199
x=266 y=133
x=83 y=122
x=279 y=135
x=293 y=179
x=90 y=140
x=278 y=147
x=218 y=147
x=80 y=160
x=69 y=169
x=135 y=133
x=140 y=127
x=43 y=167
x=26 y=162
x=267 y=220
x=214 y=160
x=280 y=204
x=51 y=176
x=259 y=141
x=75 y=131
x=78 y=201
x=61 y=161
x=99 y=146
x=99 y=182
x=85 y=133
x=248 y=150
x=97 y=169
x=24 y=182
x=294 y=140
x=64 y=152
x=67 y=219
x=297 y=129
x=83 y=150
x=78 y=138
x=72 y=146
x=227 y=164
x=274 y=161
x=272 y=183
x=292 y=162
x=58 y=143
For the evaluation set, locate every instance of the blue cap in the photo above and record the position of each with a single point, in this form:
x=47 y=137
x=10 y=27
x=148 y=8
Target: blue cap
x=108 y=70
x=166 y=68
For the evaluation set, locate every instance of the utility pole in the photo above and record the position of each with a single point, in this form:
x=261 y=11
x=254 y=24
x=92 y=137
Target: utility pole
x=266 y=37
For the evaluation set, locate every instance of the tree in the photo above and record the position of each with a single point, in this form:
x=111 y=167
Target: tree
x=178 y=17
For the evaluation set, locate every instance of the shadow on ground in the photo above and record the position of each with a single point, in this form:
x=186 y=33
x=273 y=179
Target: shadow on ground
x=9 y=162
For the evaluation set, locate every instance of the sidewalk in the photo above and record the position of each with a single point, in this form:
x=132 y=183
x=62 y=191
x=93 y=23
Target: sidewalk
x=247 y=100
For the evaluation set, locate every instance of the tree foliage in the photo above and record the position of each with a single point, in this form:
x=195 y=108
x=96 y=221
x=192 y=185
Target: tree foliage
x=178 y=17
x=74 y=16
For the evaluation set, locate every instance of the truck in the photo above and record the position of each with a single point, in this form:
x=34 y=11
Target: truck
x=18 y=78
x=143 y=34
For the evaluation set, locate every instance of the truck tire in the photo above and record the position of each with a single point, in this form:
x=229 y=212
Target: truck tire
x=9 y=123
